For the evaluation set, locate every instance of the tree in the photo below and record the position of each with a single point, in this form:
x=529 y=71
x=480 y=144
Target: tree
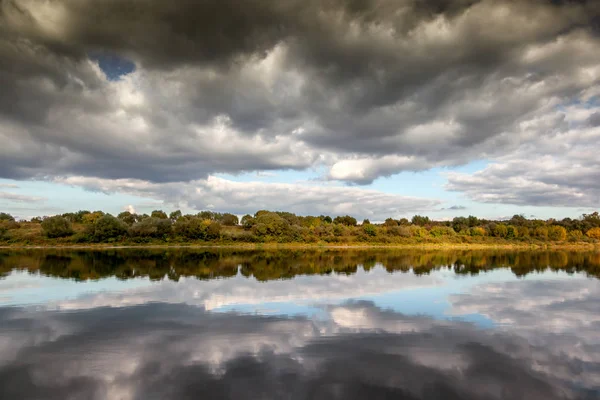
x=557 y=233
x=390 y=222
x=248 y=221
x=345 y=220
x=500 y=230
x=206 y=215
x=151 y=227
x=127 y=217
x=369 y=229
x=541 y=232
x=159 y=214
x=6 y=217
x=366 y=222
x=91 y=218
x=197 y=229
x=460 y=223
x=593 y=233
x=512 y=232
x=108 y=228
x=326 y=218
x=175 y=215
x=228 y=219
x=438 y=231
x=420 y=220
x=56 y=227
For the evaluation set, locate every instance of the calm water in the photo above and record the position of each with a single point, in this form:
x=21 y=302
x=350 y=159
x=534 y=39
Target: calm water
x=341 y=324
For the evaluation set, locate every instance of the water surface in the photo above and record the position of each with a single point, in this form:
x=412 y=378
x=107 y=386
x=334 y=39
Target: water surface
x=311 y=324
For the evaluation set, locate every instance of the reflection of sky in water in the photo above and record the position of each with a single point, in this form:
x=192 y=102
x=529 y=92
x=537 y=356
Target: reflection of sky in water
x=303 y=295
x=364 y=335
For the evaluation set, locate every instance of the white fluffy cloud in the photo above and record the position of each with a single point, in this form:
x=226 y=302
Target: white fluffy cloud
x=560 y=170
x=248 y=197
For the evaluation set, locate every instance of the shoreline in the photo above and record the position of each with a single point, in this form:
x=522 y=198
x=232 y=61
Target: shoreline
x=301 y=246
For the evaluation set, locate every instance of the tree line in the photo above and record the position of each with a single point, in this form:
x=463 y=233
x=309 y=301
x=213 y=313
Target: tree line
x=284 y=227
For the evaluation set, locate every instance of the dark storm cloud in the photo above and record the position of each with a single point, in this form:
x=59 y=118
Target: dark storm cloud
x=367 y=88
x=177 y=351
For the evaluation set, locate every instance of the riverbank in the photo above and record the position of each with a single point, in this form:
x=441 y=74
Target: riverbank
x=300 y=246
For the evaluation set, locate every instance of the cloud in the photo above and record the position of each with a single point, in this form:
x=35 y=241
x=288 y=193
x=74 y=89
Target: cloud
x=248 y=197
x=362 y=89
x=20 y=198
x=455 y=208
x=561 y=170
x=176 y=351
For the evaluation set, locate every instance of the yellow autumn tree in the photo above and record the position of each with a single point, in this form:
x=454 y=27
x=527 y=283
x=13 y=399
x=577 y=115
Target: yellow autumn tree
x=594 y=233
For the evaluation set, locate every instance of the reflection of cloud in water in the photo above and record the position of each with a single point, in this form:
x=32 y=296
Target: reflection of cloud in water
x=218 y=293
x=563 y=316
x=178 y=351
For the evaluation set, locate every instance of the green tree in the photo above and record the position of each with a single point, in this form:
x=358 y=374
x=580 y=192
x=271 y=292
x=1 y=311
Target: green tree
x=390 y=222
x=228 y=219
x=56 y=227
x=151 y=227
x=512 y=232
x=326 y=218
x=109 y=228
x=438 y=231
x=175 y=215
x=369 y=229
x=159 y=214
x=248 y=221
x=6 y=217
x=345 y=220
x=127 y=217
x=420 y=220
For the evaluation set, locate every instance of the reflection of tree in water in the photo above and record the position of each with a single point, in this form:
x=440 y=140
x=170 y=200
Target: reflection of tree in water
x=284 y=264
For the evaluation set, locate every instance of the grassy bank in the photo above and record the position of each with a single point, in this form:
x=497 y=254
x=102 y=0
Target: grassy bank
x=32 y=235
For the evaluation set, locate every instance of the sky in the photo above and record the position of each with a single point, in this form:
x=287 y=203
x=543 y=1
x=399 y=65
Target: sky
x=373 y=108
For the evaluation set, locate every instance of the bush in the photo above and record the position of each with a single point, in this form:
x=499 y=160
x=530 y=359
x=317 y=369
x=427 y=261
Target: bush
x=438 y=231
x=369 y=230
x=541 y=232
x=108 y=227
x=345 y=220
x=523 y=232
x=593 y=233
x=575 y=236
x=56 y=227
x=151 y=227
x=6 y=217
x=418 y=231
x=477 y=231
x=229 y=219
x=557 y=233
x=500 y=230
x=159 y=214
x=512 y=232
x=198 y=229
x=91 y=218
x=403 y=231
x=268 y=223
x=127 y=217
